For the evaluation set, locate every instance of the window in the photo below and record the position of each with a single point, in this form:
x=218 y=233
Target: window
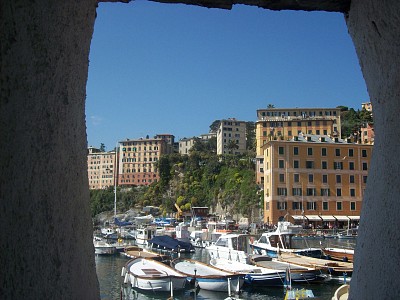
x=352 y=192
x=296 y=177
x=297 y=191
x=295 y=164
x=281 y=150
x=325 y=205
x=282 y=191
x=281 y=177
x=339 y=205
x=281 y=163
x=281 y=205
x=351 y=152
x=365 y=166
x=295 y=150
x=324 y=178
x=338 y=165
x=296 y=205
x=323 y=151
x=337 y=152
x=324 y=165
x=365 y=179
x=310 y=178
x=309 y=164
x=325 y=192
x=364 y=153
x=352 y=205
x=311 y=205
x=311 y=192
x=338 y=178
x=339 y=192
x=351 y=165
x=309 y=151
x=351 y=179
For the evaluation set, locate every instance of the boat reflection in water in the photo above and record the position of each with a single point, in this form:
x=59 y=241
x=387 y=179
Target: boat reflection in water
x=111 y=283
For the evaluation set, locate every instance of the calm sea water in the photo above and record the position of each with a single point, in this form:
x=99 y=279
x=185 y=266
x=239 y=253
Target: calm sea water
x=111 y=287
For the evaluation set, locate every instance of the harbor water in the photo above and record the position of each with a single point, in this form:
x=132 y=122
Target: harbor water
x=111 y=283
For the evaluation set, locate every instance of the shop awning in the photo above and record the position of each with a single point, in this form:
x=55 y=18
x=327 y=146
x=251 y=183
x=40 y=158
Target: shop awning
x=354 y=218
x=298 y=217
x=328 y=218
x=342 y=218
x=313 y=217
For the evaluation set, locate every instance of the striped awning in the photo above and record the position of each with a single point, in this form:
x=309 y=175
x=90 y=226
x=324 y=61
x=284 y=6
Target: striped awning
x=342 y=218
x=298 y=217
x=328 y=218
x=313 y=217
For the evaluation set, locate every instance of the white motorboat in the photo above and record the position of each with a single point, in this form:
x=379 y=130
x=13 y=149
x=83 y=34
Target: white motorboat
x=144 y=234
x=253 y=275
x=232 y=247
x=101 y=247
x=280 y=241
x=150 y=275
x=208 y=277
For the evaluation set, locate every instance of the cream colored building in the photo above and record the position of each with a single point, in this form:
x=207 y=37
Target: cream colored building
x=231 y=132
x=186 y=144
x=316 y=179
x=137 y=159
x=284 y=123
x=100 y=168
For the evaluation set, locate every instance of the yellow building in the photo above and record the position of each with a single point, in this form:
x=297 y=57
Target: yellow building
x=314 y=179
x=100 y=168
x=137 y=159
x=285 y=123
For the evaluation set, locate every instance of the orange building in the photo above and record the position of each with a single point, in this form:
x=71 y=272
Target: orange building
x=285 y=123
x=100 y=168
x=137 y=159
x=314 y=179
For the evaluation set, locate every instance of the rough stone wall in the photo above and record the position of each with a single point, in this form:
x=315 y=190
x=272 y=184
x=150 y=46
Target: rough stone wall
x=46 y=249
x=374 y=26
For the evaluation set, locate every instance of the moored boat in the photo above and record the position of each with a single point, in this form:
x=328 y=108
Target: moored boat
x=336 y=269
x=135 y=252
x=150 y=275
x=232 y=247
x=280 y=240
x=253 y=275
x=298 y=274
x=341 y=254
x=207 y=276
x=103 y=248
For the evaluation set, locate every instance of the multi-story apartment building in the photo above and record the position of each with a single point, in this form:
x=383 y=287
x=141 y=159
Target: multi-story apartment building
x=285 y=123
x=137 y=159
x=186 y=144
x=316 y=179
x=231 y=137
x=100 y=168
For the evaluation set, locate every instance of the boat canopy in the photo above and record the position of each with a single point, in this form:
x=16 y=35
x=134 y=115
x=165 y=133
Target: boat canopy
x=121 y=223
x=171 y=243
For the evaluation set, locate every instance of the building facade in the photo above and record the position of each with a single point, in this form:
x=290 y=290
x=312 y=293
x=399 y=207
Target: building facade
x=231 y=137
x=285 y=123
x=186 y=144
x=314 y=179
x=101 y=168
x=138 y=158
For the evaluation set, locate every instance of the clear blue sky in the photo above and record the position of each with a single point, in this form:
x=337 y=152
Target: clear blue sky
x=164 y=68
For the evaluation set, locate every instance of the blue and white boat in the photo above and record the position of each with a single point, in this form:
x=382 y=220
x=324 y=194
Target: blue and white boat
x=280 y=241
x=253 y=275
x=208 y=277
